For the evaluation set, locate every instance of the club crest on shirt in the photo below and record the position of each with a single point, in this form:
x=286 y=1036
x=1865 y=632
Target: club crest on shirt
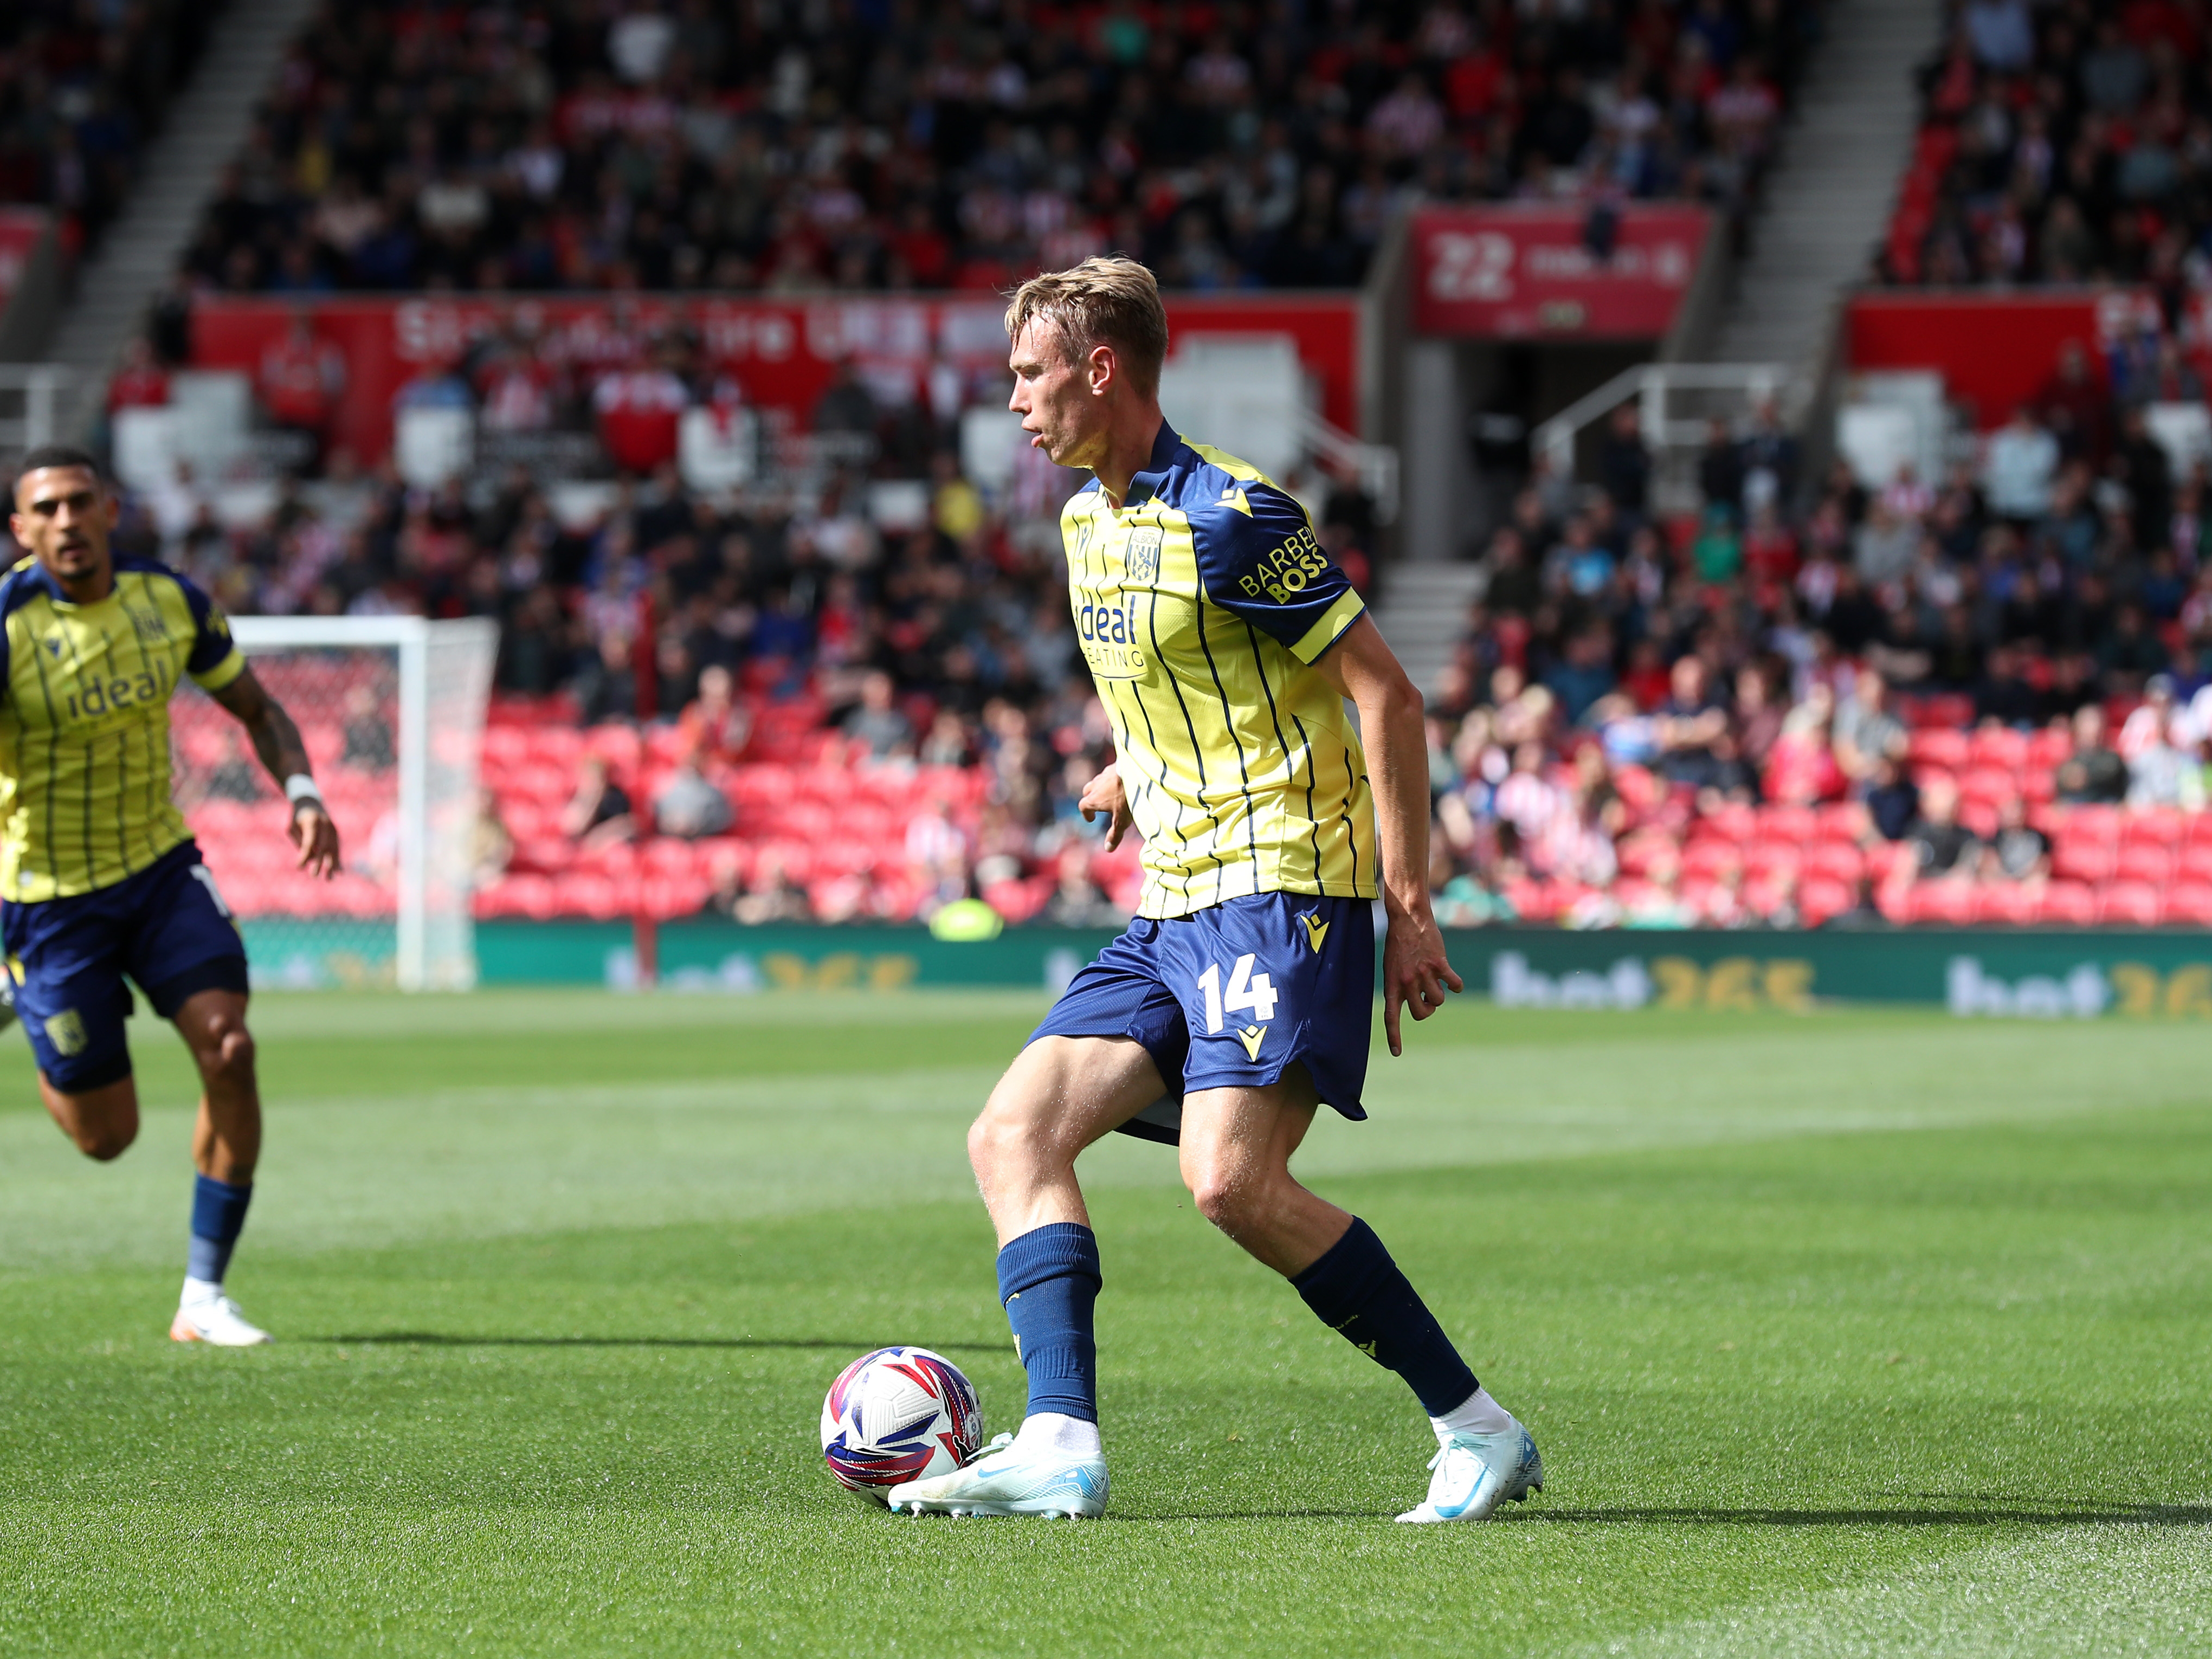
x=1142 y=560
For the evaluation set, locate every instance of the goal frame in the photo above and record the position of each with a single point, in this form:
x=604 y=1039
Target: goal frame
x=410 y=639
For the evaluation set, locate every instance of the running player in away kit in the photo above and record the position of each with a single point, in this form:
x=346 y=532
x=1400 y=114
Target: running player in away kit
x=99 y=875
x=1223 y=643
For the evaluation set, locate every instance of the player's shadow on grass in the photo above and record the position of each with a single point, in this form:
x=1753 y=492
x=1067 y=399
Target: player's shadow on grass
x=447 y=1340
x=1951 y=1515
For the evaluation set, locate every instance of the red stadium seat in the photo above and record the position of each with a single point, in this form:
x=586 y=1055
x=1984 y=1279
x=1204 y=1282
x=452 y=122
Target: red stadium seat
x=2161 y=827
x=1838 y=861
x=2187 y=905
x=1842 y=820
x=1987 y=783
x=2066 y=904
x=1884 y=856
x=582 y=894
x=2195 y=863
x=2093 y=823
x=2050 y=746
x=1791 y=823
x=1642 y=851
x=2007 y=904
x=1709 y=859
x=2149 y=864
x=2075 y=859
x=2128 y=904
x=1773 y=857
x=1731 y=822
x=1999 y=746
x=1937 y=746
x=1941 y=903
x=2200 y=829
x=1820 y=897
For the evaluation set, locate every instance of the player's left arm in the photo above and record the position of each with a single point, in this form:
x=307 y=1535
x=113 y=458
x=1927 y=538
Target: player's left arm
x=276 y=740
x=1260 y=560
x=1416 y=972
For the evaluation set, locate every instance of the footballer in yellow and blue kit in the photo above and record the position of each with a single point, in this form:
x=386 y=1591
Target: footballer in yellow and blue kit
x=99 y=873
x=1201 y=607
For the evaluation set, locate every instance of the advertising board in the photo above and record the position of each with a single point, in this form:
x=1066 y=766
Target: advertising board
x=1515 y=271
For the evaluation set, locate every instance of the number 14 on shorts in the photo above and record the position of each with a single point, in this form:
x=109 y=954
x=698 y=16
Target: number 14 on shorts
x=1247 y=992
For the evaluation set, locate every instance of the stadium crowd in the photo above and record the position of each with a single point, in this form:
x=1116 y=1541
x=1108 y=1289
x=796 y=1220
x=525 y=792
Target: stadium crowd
x=674 y=144
x=1986 y=698
x=1963 y=700
x=2066 y=143
x=82 y=87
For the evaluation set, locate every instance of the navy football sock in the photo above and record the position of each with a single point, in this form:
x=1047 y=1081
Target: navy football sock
x=218 y=1217
x=1356 y=1289
x=1048 y=1280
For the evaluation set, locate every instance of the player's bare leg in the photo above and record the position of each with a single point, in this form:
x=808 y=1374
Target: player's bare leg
x=227 y=1138
x=226 y=1147
x=1236 y=1156
x=102 y=1121
x=1060 y=1094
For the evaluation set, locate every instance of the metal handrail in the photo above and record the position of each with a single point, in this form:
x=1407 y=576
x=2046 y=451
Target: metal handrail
x=1376 y=465
x=1650 y=383
x=41 y=386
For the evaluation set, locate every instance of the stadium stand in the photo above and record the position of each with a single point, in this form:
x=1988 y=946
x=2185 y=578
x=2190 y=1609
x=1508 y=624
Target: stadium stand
x=871 y=145
x=1645 y=724
x=82 y=90
x=1978 y=698
x=2062 y=144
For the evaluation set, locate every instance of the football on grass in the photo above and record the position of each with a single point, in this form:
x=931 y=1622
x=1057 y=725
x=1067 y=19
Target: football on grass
x=896 y=1415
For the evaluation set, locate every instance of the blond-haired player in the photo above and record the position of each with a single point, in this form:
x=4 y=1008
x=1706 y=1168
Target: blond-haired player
x=1224 y=644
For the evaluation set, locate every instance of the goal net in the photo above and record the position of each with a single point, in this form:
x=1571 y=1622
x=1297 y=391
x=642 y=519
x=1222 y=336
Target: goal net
x=392 y=712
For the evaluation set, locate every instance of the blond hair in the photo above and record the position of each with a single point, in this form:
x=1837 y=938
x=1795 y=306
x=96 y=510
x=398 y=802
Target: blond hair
x=1107 y=300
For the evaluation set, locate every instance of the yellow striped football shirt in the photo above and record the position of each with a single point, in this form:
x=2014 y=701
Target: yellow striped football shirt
x=85 y=796
x=1201 y=606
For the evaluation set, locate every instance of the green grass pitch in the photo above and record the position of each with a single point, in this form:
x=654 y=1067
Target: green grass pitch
x=1859 y=1333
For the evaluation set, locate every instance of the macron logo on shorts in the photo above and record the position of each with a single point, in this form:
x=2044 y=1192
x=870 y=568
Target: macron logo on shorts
x=1316 y=930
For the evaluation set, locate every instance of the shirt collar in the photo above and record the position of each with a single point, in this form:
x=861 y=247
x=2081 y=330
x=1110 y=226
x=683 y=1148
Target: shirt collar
x=1144 y=483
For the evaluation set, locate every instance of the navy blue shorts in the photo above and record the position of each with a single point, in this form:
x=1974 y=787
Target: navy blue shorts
x=164 y=927
x=1230 y=996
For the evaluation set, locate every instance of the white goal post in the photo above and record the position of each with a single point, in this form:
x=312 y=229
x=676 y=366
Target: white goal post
x=392 y=711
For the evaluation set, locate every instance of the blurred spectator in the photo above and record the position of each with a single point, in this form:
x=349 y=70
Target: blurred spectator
x=715 y=725
x=770 y=896
x=1942 y=847
x=1892 y=799
x=599 y=813
x=1866 y=732
x=2092 y=773
x=688 y=805
x=491 y=844
x=2023 y=463
x=2018 y=851
x=879 y=725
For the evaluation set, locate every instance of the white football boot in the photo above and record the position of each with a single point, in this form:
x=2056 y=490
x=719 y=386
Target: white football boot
x=1005 y=1479
x=216 y=1321
x=1476 y=1472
